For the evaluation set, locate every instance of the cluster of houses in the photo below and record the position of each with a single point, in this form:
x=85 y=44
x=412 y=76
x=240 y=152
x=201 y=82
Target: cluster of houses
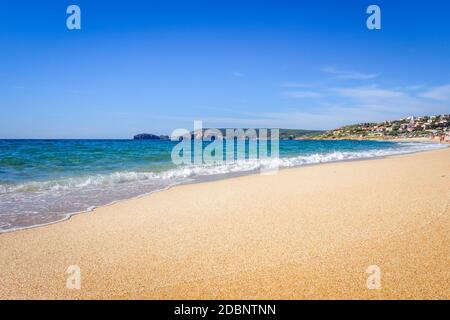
x=424 y=126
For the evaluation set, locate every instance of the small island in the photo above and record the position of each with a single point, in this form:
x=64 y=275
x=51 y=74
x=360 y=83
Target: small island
x=149 y=136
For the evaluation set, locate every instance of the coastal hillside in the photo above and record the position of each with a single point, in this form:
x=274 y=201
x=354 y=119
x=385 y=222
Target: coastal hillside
x=411 y=127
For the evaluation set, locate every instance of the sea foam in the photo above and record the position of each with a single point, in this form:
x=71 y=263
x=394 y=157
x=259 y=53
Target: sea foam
x=38 y=202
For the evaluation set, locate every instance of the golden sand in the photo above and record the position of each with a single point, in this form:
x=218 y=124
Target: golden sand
x=307 y=232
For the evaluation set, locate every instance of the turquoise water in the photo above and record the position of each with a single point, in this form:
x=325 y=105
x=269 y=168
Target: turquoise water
x=43 y=181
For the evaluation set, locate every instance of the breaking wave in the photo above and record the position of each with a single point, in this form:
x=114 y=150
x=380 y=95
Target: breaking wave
x=182 y=173
x=39 y=202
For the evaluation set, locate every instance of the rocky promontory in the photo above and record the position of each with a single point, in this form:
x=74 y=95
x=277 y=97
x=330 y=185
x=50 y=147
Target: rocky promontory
x=149 y=136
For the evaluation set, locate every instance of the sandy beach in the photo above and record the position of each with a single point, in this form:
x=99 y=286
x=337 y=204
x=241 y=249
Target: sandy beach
x=304 y=233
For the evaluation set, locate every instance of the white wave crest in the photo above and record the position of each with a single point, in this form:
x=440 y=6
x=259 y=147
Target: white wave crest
x=180 y=174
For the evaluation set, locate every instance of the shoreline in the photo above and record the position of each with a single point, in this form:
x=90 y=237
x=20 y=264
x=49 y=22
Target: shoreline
x=218 y=177
x=388 y=139
x=307 y=232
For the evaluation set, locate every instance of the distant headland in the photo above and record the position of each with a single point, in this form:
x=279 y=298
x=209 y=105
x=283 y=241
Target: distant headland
x=285 y=134
x=149 y=136
x=410 y=127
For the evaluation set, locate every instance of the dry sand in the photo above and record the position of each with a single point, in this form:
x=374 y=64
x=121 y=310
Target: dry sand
x=307 y=232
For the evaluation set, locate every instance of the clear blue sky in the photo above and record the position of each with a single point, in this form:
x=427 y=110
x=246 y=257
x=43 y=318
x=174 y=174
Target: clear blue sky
x=153 y=66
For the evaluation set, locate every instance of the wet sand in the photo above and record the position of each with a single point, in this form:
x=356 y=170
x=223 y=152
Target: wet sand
x=304 y=233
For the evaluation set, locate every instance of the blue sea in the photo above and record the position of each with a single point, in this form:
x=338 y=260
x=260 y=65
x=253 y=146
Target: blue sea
x=44 y=181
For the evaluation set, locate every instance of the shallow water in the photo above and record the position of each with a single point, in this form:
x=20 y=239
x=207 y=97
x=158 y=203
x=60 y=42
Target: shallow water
x=43 y=181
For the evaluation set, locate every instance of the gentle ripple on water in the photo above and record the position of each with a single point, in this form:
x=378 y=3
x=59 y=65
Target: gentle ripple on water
x=43 y=181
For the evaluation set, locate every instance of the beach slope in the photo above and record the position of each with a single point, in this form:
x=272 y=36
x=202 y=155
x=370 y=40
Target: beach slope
x=307 y=232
